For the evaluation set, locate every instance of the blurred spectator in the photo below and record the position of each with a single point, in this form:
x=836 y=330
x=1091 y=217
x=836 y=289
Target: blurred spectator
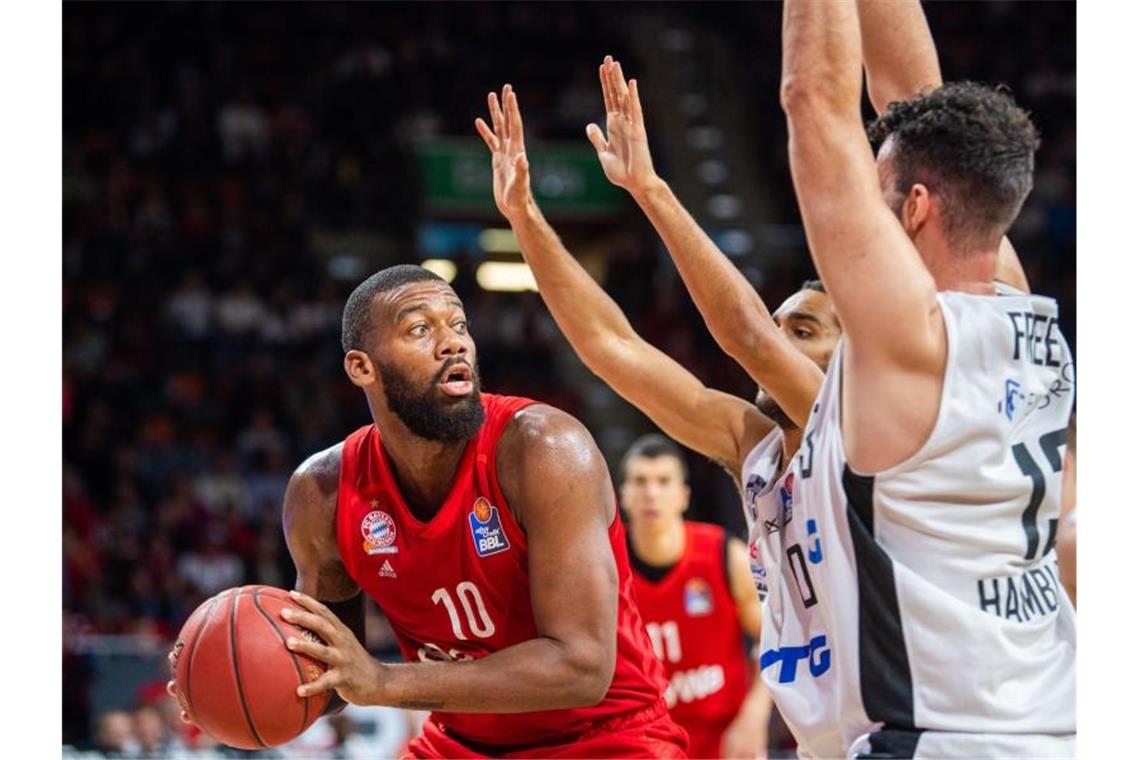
x=150 y=732
x=265 y=486
x=261 y=437
x=239 y=311
x=158 y=721
x=357 y=733
x=190 y=308
x=220 y=487
x=114 y=735
x=270 y=563
x=211 y=567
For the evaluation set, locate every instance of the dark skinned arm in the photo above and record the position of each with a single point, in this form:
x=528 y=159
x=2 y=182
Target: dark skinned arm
x=309 y=521
x=556 y=481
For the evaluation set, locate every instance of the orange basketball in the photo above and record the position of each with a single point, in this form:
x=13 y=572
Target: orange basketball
x=234 y=675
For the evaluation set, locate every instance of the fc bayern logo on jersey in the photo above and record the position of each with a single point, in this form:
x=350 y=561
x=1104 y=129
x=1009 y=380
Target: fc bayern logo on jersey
x=486 y=529
x=698 y=598
x=379 y=531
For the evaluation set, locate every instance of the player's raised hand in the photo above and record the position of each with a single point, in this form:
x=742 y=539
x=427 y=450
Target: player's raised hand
x=355 y=675
x=508 y=153
x=624 y=149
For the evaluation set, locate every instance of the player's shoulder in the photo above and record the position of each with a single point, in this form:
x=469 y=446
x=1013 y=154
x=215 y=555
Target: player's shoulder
x=314 y=484
x=544 y=451
x=538 y=431
x=321 y=468
x=309 y=512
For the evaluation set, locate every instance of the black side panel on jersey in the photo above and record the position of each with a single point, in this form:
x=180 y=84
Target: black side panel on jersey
x=884 y=671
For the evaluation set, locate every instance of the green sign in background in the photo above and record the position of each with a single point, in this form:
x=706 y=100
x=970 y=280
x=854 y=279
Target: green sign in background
x=456 y=176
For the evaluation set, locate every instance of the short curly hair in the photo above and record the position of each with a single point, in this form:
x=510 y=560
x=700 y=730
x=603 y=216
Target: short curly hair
x=972 y=146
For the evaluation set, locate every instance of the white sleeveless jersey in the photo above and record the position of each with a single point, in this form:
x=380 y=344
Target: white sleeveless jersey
x=760 y=468
x=919 y=610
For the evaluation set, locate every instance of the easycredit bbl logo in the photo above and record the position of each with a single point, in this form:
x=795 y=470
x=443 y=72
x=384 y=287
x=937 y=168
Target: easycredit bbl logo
x=487 y=529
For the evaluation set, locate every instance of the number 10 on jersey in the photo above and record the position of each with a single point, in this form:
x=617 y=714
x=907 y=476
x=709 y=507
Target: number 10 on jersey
x=479 y=623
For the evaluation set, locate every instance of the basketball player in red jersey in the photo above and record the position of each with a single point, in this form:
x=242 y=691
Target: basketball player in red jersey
x=486 y=529
x=693 y=585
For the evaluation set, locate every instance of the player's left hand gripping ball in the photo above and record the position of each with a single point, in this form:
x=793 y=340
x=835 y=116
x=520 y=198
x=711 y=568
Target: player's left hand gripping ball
x=355 y=675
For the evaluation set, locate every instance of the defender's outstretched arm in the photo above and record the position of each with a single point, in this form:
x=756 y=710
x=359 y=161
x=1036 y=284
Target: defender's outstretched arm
x=732 y=309
x=898 y=50
x=901 y=60
x=884 y=295
x=718 y=425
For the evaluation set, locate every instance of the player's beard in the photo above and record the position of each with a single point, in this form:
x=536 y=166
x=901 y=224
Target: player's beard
x=770 y=409
x=427 y=412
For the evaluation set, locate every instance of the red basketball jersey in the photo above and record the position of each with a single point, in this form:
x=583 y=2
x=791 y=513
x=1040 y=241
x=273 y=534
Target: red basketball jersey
x=456 y=587
x=692 y=621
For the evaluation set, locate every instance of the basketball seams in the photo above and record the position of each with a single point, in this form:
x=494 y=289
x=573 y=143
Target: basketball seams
x=296 y=662
x=215 y=623
x=237 y=673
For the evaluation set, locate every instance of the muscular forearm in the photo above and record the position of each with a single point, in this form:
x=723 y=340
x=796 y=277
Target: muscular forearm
x=821 y=71
x=587 y=316
x=539 y=674
x=898 y=51
x=707 y=421
x=732 y=309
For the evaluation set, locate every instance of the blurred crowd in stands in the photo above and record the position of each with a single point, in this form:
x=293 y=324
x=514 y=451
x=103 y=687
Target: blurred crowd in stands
x=216 y=159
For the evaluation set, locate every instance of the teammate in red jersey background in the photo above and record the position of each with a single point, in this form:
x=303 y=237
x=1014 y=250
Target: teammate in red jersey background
x=694 y=588
x=486 y=529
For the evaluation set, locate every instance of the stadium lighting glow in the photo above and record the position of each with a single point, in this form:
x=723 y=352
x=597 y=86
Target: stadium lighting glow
x=494 y=240
x=444 y=268
x=512 y=276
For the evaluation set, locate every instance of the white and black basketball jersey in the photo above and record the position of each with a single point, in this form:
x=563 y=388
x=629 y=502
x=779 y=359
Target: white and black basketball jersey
x=760 y=469
x=918 y=611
